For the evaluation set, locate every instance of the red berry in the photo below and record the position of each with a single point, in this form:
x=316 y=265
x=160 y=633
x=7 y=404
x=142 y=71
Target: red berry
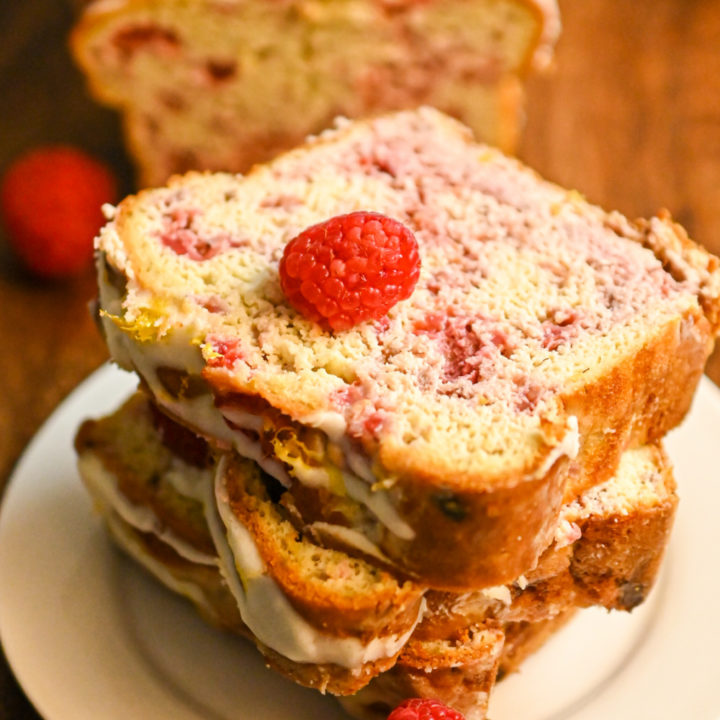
x=50 y=201
x=350 y=268
x=424 y=709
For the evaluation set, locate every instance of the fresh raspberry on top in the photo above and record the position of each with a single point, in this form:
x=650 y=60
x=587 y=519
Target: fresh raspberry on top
x=424 y=709
x=350 y=268
x=50 y=201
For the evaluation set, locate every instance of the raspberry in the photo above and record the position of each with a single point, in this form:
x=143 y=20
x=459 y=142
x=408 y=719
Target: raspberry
x=350 y=268
x=424 y=709
x=50 y=201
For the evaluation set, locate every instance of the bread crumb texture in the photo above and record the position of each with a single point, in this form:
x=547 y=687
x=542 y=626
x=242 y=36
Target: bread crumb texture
x=526 y=293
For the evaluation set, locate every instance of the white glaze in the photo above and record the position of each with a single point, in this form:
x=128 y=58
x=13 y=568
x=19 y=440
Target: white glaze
x=267 y=611
x=104 y=486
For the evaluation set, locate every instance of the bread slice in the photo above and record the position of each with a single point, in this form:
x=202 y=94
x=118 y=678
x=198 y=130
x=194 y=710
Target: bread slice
x=327 y=620
x=607 y=551
x=460 y=672
x=610 y=539
x=220 y=86
x=544 y=337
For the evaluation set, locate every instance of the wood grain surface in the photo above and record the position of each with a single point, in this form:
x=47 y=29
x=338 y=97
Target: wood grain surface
x=630 y=116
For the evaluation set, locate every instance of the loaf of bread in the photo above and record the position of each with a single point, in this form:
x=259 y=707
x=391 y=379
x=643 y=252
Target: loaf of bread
x=204 y=84
x=324 y=618
x=544 y=337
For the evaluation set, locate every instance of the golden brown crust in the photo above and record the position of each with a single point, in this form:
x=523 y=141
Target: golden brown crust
x=459 y=673
x=613 y=564
x=639 y=400
x=616 y=561
x=507 y=529
x=681 y=257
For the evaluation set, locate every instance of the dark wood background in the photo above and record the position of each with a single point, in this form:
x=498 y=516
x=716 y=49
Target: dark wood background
x=630 y=116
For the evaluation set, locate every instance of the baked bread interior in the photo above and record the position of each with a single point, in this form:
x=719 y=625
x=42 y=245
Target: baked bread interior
x=207 y=85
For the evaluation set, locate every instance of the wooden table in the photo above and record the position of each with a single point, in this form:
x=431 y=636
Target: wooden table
x=630 y=117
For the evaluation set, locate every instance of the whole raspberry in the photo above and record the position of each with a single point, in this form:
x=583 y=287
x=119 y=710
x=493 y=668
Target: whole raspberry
x=424 y=709
x=350 y=268
x=50 y=201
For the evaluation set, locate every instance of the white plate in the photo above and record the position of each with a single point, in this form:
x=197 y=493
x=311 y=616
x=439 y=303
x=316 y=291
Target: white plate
x=89 y=636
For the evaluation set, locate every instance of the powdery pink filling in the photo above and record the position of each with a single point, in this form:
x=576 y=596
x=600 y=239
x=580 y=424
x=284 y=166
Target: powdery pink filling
x=374 y=423
x=378 y=162
x=527 y=394
x=364 y=418
x=226 y=352
x=470 y=345
x=212 y=303
x=474 y=349
x=562 y=327
x=343 y=398
x=180 y=235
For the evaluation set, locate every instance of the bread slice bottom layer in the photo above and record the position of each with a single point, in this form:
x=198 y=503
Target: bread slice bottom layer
x=606 y=551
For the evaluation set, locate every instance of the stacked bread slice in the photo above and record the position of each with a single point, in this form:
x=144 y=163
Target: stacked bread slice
x=339 y=623
x=204 y=84
x=410 y=505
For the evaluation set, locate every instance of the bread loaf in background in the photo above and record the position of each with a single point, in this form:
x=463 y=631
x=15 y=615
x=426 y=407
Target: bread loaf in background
x=223 y=84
